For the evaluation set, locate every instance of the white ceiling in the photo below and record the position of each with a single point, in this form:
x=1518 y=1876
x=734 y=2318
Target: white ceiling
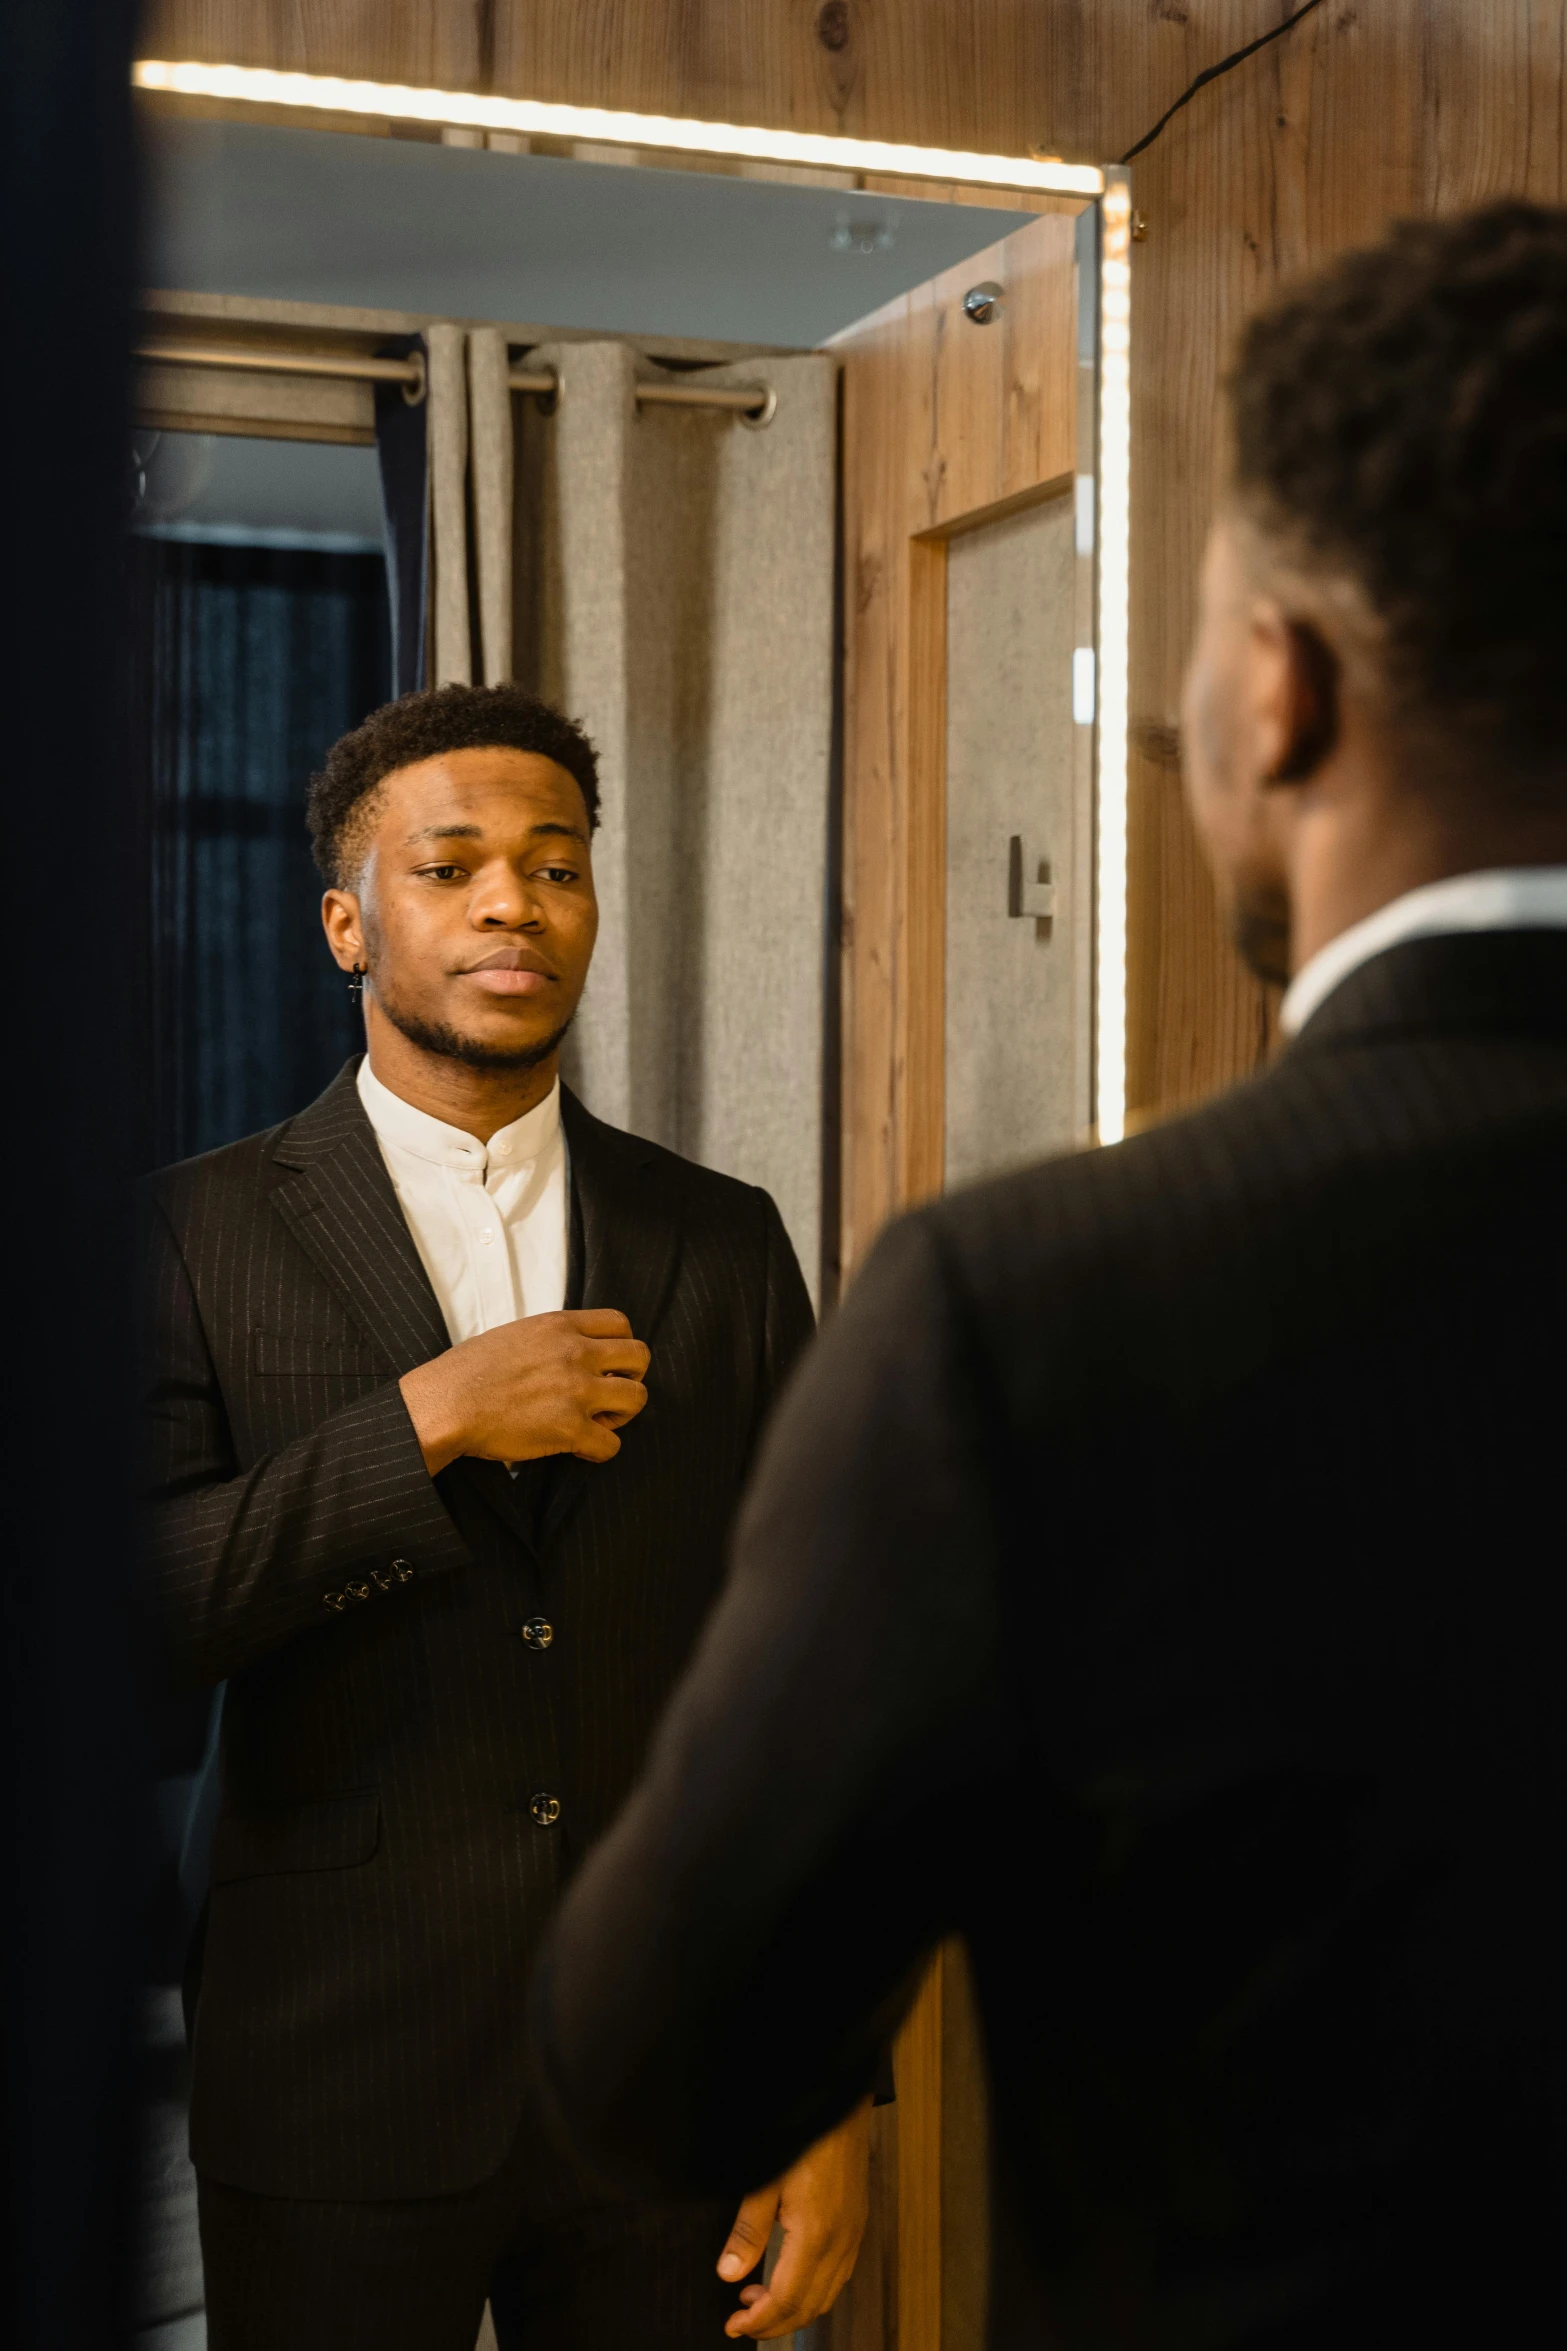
x=406 y=224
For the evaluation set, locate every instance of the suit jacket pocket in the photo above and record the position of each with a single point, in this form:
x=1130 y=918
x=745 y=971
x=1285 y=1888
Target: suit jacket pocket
x=288 y=1354
x=339 y=1833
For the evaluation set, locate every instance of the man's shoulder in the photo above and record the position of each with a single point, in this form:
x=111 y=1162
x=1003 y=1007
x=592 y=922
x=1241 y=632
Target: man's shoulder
x=599 y=1147
x=253 y=1164
x=1099 y=1199
x=1313 y=1141
x=229 y=1169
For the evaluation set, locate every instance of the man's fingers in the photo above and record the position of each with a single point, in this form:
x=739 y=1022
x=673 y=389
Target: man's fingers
x=598 y=1322
x=613 y=1400
x=627 y=1357
x=804 y=2283
x=747 y=2240
x=596 y=1442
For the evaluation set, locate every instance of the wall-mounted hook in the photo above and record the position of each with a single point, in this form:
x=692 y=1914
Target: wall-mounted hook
x=1029 y=895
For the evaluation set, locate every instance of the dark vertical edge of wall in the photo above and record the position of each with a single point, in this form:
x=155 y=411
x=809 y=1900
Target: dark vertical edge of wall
x=75 y=1078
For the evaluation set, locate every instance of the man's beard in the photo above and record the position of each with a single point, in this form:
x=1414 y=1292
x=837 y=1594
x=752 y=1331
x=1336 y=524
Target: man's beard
x=1260 y=928
x=438 y=1036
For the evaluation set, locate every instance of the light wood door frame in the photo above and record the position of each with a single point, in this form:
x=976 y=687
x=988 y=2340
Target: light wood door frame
x=947 y=425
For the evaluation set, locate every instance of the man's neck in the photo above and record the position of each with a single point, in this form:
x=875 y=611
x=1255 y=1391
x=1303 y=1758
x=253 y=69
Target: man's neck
x=478 y=1101
x=1355 y=854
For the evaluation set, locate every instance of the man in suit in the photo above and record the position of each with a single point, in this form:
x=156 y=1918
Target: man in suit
x=455 y=1391
x=1156 y=1573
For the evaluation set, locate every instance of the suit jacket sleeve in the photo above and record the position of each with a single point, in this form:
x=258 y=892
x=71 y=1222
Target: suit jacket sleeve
x=737 y=1951
x=246 y=1559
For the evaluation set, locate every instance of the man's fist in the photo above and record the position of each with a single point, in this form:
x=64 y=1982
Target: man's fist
x=552 y=1383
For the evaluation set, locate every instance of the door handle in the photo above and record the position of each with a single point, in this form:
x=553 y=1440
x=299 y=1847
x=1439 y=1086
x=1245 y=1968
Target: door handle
x=1034 y=896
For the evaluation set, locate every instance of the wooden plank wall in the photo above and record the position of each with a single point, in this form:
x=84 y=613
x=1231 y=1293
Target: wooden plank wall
x=1369 y=109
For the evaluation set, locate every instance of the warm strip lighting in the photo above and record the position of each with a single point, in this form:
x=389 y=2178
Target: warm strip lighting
x=1115 y=520
x=322 y=93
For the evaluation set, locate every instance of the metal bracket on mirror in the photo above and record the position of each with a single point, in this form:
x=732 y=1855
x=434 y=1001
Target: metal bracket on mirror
x=1036 y=897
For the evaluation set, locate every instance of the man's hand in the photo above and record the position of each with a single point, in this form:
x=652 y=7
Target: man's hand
x=551 y=1383
x=822 y=2204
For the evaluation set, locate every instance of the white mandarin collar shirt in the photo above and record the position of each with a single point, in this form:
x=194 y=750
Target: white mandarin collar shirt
x=489 y=1220
x=1509 y=898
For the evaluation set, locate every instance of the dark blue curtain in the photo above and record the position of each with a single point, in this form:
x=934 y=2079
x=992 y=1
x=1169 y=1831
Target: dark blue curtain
x=250 y=661
x=253 y=660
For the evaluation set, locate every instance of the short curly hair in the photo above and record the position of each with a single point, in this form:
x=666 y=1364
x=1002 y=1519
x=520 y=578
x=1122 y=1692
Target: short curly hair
x=422 y=726
x=1402 y=418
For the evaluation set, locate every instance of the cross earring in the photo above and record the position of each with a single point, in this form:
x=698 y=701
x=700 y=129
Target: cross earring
x=356 y=984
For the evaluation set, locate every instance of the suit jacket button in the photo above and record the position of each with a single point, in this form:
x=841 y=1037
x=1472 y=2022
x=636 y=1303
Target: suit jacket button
x=357 y=1591
x=403 y=1569
x=538 y=1632
x=545 y=1810
x=336 y=1601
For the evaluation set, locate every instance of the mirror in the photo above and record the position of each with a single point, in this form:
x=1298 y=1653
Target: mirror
x=669 y=439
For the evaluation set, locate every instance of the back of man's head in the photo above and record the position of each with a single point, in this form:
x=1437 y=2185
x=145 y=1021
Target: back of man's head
x=1400 y=425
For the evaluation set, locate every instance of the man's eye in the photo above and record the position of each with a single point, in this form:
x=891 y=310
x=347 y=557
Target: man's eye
x=558 y=873
x=442 y=873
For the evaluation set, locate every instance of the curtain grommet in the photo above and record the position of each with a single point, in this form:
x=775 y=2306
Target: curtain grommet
x=418 y=385
x=757 y=420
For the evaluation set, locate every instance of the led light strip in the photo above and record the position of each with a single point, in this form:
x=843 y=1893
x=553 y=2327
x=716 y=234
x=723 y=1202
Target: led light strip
x=1115 y=521
x=257 y=86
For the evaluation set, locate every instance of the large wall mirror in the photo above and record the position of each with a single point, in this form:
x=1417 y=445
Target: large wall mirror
x=796 y=470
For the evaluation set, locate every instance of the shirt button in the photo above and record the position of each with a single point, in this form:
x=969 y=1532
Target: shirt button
x=545 y=1809
x=538 y=1632
x=486 y=1235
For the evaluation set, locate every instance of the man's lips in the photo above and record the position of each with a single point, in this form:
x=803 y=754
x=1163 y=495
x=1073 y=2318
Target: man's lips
x=510 y=971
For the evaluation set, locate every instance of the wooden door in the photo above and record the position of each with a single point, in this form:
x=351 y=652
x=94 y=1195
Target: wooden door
x=968 y=578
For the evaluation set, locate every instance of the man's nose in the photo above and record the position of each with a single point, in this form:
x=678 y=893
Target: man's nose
x=507 y=903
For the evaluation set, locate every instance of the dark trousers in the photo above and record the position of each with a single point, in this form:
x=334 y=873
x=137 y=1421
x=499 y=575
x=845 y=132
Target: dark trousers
x=563 y=2269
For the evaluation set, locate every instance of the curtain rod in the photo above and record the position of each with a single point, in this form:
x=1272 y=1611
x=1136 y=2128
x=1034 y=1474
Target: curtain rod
x=754 y=403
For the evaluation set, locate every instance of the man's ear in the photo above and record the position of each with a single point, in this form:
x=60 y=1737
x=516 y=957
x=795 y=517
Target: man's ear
x=340 y=919
x=1312 y=710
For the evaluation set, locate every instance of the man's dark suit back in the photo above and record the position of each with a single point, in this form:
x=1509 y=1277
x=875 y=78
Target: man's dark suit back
x=419 y=1675
x=1178 y=1532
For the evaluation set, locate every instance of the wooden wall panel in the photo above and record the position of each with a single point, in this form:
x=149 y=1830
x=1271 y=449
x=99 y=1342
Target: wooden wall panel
x=962 y=73
x=1361 y=115
x=441 y=44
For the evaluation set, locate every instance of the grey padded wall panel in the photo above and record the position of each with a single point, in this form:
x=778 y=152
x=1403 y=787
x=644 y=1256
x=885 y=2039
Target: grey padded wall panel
x=1018 y=1023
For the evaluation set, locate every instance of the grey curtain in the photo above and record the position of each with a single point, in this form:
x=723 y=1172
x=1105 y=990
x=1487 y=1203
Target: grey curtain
x=673 y=589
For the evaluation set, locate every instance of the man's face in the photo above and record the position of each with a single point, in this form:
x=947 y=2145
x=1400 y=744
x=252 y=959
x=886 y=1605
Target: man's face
x=1234 y=730
x=474 y=906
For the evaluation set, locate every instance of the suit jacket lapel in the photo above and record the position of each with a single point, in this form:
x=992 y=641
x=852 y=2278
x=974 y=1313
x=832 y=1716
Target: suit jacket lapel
x=631 y=1216
x=341 y=1208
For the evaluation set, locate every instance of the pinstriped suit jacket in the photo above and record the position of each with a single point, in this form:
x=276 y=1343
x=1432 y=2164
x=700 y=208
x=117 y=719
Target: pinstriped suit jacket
x=1156 y=1575
x=379 y=1878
